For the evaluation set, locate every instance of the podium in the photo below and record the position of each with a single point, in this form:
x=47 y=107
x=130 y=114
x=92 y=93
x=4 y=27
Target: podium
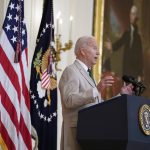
x=114 y=125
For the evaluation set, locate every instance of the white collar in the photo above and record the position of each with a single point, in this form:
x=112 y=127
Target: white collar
x=132 y=27
x=82 y=64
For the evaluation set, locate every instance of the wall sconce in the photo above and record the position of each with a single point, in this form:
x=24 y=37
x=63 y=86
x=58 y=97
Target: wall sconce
x=59 y=46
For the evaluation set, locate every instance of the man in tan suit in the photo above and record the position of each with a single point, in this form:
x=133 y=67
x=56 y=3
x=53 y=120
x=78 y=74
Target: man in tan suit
x=78 y=90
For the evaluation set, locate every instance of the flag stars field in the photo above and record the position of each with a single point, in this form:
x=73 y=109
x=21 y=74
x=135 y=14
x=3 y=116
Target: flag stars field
x=14 y=39
x=15 y=29
x=8 y=27
x=9 y=17
x=16 y=18
x=12 y=6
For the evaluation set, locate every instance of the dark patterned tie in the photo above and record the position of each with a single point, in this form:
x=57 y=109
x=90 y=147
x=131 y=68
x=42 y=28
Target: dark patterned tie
x=90 y=74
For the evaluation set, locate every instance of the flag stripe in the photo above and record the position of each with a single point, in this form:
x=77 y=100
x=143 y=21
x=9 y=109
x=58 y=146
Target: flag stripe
x=12 y=93
x=44 y=73
x=22 y=145
x=25 y=133
x=25 y=90
x=45 y=76
x=25 y=114
x=6 y=102
x=25 y=107
x=25 y=67
x=8 y=141
x=9 y=51
x=10 y=72
x=7 y=125
x=46 y=82
x=25 y=103
x=44 y=79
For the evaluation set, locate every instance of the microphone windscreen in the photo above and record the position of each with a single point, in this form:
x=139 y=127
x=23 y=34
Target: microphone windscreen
x=129 y=79
x=126 y=78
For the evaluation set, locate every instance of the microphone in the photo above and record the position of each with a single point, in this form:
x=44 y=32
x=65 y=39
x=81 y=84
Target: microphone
x=138 y=86
x=130 y=79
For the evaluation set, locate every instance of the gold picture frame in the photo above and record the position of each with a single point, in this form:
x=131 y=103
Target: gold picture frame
x=98 y=33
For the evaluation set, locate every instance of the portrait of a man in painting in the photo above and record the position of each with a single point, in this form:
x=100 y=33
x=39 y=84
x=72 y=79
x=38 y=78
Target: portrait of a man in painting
x=126 y=34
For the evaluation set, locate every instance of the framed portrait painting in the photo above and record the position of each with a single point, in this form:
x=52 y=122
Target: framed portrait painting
x=124 y=40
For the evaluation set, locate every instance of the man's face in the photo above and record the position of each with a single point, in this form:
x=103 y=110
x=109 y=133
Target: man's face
x=133 y=17
x=91 y=53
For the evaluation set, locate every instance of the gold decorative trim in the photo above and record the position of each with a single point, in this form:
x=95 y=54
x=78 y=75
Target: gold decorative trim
x=98 y=33
x=144 y=119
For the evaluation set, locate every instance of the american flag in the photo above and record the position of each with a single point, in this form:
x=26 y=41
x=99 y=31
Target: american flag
x=15 y=123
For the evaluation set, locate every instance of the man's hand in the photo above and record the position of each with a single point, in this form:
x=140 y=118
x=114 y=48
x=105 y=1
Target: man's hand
x=108 y=45
x=127 y=89
x=105 y=82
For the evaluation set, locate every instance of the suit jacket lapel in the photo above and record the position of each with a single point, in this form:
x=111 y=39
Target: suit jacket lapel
x=84 y=73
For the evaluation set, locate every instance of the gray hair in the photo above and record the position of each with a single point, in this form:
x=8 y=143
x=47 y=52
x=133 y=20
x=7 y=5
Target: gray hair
x=82 y=42
x=134 y=9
